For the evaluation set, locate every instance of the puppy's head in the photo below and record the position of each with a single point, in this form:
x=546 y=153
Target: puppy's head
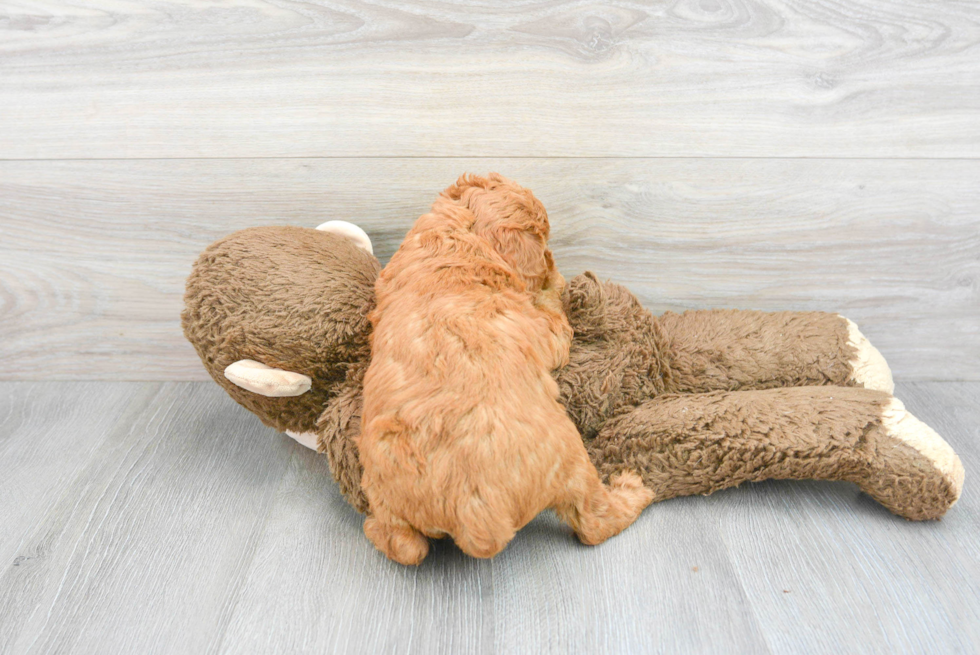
x=512 y=220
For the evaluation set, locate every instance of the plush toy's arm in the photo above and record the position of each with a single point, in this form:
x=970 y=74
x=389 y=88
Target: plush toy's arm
x=696 y=444
x=719 y=350
x=337 y=430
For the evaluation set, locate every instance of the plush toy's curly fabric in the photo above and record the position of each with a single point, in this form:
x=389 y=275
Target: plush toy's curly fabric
x=800 y=433
x=619 y=358
x=695 y=402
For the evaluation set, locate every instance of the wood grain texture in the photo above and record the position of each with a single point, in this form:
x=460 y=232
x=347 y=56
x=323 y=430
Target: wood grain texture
x=191 y=528
x=353 y=600
x=859 y=574
x=93 y=255
x=49 y=432
x=271 y=78
x=145 y=548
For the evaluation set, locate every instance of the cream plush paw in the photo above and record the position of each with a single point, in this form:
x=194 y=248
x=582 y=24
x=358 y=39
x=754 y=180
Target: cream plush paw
x=900 y=424
x=307 y=439
x=869 y=368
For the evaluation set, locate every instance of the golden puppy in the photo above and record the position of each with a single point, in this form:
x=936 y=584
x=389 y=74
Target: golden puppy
x=462 y=430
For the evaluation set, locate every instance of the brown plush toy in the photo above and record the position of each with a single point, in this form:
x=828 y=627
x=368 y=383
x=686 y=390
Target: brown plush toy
x=694 y=402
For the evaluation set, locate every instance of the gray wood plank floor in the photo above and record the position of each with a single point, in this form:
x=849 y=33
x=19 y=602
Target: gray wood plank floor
x=163 y=518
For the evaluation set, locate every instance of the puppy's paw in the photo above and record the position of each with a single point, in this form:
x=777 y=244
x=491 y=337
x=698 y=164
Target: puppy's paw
x=626 y=480
x=628 y=486
x=408 y=549
x=404 y=545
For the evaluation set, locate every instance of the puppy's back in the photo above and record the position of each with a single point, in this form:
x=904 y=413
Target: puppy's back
x=463 y=433
x=460 y=400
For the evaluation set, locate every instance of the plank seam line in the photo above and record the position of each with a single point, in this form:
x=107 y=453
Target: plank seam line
x=462 y=157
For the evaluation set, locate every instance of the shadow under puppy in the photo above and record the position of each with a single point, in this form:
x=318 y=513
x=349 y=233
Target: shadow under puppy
x=462 y=432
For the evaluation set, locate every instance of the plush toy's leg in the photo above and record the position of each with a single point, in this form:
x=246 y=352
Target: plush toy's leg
x=724 y=350
x=699 y=443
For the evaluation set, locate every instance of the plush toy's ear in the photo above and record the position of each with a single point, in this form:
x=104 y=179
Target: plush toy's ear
x=349 y=230
x=267 y=381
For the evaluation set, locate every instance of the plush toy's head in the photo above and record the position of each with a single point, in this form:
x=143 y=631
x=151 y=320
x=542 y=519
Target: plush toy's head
x=294 y=299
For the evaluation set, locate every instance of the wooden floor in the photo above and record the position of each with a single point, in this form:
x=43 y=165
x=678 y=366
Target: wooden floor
x=163 y=518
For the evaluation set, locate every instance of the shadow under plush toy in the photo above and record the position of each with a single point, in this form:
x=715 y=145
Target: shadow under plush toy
x=693 y=402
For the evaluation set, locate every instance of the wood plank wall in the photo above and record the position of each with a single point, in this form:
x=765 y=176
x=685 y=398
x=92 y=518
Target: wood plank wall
x=706 y=153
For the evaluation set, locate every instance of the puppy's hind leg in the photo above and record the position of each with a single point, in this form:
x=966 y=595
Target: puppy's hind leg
x=394 y=537
x=482 y=532
x=595 y=511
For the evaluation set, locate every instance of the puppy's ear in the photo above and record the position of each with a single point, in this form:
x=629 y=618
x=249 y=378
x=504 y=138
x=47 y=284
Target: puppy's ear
x=523 y=249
